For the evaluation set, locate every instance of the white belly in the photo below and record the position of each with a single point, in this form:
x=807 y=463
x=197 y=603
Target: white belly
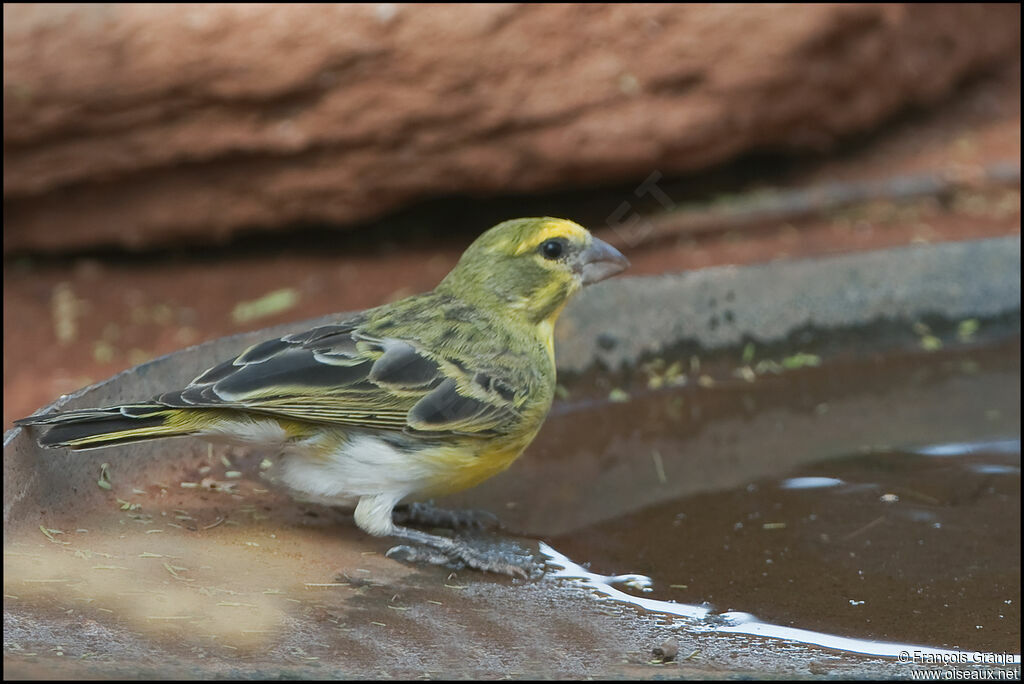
x=361 y=466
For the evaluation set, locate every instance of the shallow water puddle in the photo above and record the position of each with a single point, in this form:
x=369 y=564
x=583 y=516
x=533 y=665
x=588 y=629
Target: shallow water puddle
x=902 y=546
x=703 y=618
x=861 y=506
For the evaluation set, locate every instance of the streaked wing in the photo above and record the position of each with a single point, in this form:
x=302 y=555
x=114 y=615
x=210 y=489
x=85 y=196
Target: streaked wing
x=337 y=374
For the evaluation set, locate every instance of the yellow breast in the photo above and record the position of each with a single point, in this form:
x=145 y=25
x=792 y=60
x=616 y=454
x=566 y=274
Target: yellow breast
x=467 y=464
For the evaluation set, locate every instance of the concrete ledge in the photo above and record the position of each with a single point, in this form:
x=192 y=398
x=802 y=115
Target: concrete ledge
x=619 y=321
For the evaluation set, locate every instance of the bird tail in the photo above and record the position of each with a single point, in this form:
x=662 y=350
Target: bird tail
x=103 y=427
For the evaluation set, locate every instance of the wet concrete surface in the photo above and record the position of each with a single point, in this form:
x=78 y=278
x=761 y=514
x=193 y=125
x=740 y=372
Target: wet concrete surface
x=826 y=498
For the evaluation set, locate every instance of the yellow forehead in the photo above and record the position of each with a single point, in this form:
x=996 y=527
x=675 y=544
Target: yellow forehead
x=552 y=228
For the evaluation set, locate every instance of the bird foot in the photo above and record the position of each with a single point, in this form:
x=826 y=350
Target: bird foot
x=460 y=554
x=428 y=515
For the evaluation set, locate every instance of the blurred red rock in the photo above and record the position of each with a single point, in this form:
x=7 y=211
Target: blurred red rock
x=139 y=125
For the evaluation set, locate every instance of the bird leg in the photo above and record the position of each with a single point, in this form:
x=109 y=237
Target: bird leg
x=373 y=515
x=428 y=515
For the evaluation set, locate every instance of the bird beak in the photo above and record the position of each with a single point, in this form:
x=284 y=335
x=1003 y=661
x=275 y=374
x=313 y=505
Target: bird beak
x=599 y=261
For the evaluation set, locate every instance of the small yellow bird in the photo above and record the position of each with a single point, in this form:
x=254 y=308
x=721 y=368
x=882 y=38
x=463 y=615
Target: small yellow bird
x=421 y=397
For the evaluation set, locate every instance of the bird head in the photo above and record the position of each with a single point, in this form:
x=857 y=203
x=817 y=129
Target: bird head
x=531 y=266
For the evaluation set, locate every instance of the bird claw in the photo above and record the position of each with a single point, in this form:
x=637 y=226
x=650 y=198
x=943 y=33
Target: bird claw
x=501 y=562
x=413 y=554
x=463 y=555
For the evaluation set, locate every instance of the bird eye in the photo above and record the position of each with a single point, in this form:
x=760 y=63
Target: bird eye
x=552 y=249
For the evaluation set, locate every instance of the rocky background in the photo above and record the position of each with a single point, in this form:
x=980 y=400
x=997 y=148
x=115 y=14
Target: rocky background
x=175 y=173
x=145 y=125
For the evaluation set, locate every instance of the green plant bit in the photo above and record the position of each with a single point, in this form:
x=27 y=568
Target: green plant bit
x=104 y=481
x=272 y=303
x=966 y=329
x=801 y=360
x=48 y=533
x=767 y=366
x=674 y=373
x=618 y=395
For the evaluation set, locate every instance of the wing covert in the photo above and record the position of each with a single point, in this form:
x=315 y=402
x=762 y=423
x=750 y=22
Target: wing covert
x=336 y=374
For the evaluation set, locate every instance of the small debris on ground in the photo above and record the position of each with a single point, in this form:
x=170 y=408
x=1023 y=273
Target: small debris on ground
x=667 y=652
